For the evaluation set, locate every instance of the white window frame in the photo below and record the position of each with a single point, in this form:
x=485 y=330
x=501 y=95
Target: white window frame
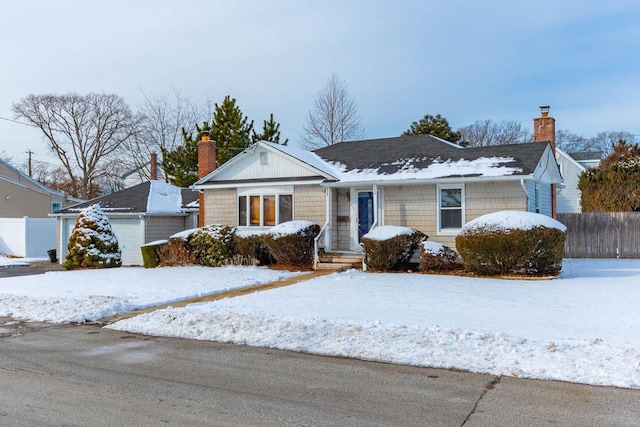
x=450 y=231
x=248 y=196
x=58 y=202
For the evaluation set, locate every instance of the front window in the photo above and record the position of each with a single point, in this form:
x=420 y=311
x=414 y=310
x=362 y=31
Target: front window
x=56 y=206
x=450 y=209
x=264 y=210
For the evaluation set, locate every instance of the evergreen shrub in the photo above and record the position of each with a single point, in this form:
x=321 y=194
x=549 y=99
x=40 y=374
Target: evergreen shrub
x=538 y=250
x=92 y=243
x=252 y=247
x=393 y=253
x=212 y=245
x=176 y=253
x=435 y=257
x=294 y=248
x=150 y=258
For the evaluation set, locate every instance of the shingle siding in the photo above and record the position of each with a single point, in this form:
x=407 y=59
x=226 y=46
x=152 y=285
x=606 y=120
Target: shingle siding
x=309 y=203
x=416 y=206
x=220 y=206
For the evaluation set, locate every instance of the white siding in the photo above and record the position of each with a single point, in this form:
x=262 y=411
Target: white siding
x=568 y=197
x=274 y=165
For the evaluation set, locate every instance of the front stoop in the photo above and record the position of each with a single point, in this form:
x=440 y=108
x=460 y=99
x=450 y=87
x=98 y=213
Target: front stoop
x=338 y=261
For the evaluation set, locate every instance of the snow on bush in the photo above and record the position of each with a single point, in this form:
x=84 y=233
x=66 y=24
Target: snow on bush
x=390 y=247
x=386 y=232
x=436 y=257
x=290 y=228
x=212 y=244
x=92 y=243
x=291 y=243
x=511 y=242
x=512 y=220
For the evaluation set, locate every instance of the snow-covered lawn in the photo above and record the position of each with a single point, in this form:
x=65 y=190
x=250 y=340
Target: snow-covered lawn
x=81 y=295
x=582 y=327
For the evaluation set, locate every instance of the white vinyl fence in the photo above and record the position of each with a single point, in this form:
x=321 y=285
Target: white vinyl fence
x=27 y=237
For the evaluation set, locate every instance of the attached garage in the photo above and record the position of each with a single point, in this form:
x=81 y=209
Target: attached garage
x=141 y=214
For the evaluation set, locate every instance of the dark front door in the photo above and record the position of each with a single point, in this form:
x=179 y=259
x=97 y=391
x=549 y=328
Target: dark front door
x=365 y=212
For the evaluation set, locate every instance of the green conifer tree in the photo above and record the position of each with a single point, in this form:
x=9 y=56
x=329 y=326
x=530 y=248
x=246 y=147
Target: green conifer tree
x=181 y=165
x=270 y=132
x=230 y=130
x=92 y=243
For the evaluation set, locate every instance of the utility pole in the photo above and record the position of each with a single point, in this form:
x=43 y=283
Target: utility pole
x=29 y=152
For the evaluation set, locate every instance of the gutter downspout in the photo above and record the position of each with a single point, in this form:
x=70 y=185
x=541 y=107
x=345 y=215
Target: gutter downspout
x=526 y=194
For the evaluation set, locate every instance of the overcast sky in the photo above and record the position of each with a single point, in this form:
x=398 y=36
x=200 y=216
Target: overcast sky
x=466 y=60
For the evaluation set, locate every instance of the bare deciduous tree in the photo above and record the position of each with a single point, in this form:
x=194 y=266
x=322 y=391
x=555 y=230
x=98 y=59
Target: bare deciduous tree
x=334 y=117
x=602 y=142
x=162 y=120
x=82 y=130
x=486 y=132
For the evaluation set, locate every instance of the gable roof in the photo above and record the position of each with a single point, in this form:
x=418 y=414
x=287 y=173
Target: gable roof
x=150 y=197
x=415 y=157
x=22 y=179
x=389 y=156
x=586 y=155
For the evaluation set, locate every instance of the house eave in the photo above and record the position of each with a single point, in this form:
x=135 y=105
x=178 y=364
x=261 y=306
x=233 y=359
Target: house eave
x=423 y=181
x=257 y=182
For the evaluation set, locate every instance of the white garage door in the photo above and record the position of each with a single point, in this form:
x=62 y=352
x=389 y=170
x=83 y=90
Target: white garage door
x=128 y=232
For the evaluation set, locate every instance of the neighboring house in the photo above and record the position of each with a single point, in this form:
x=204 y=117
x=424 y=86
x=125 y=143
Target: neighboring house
x=419 y=181
x=22 y=196
x=571 y=166
x=150 y=170
x=147 y=212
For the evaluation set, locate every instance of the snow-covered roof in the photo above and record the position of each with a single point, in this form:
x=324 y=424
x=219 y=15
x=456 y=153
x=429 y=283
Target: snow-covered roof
x=164 y=198
x=412 y=157
x=151 y=197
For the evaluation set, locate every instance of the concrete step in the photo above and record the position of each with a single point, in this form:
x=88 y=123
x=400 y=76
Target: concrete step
x=340 y=258
x=337 y=266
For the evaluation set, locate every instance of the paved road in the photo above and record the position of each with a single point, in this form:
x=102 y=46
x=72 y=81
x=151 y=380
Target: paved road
x=28 y=270
x=85 y=375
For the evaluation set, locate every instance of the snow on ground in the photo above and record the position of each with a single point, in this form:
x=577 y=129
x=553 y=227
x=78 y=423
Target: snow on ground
x=81 y=295
x=6 y=261
x=582 y=327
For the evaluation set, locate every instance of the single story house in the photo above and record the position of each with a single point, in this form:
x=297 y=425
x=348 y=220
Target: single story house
x=571 y=166
x=144 y=213
x=417 y=181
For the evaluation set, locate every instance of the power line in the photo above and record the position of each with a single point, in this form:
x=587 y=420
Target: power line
x=16 y=121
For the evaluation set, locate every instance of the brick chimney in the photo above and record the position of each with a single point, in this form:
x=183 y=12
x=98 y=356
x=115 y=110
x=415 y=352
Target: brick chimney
x=206 y=165
x=544 y=130
x=153 y=167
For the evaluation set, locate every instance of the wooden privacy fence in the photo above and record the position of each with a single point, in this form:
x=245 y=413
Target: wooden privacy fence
x=602 y=234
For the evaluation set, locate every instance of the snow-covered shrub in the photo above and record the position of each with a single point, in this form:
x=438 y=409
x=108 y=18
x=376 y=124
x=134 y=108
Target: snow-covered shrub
x=291 y=243
x=176 y=253
x=212 y=244
x=512 y=242
x=92 y=243
x=251 y=246
x=390 y=247
x=150 y=258
x=435 y=257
